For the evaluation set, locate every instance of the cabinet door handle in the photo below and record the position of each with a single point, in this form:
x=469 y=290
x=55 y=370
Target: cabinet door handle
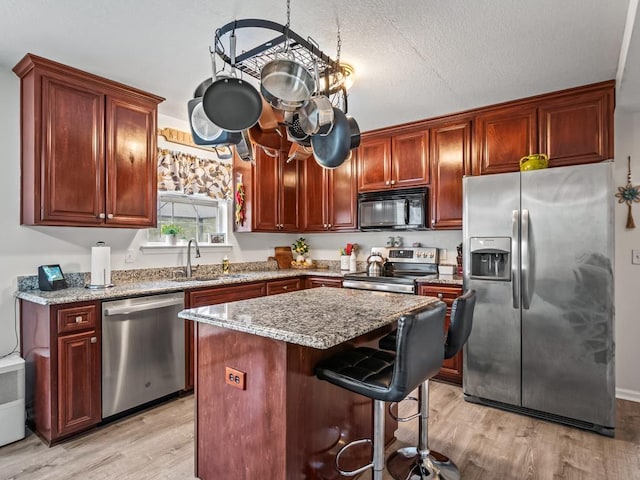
x=101 y=215
x=393 y=182
x=433 y=222
x=285 y=287
x=387 y=182
x=94 y=339
x=110 y=216
x=440 y=296
x=329 y=226
x=78 y=319
x=324 y=225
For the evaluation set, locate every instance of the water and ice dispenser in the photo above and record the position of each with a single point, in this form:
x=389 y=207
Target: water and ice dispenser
x=490 y=258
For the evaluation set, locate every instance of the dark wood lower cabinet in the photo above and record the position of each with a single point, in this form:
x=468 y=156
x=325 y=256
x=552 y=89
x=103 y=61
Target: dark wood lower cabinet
x=451 y=370
x=61 y=345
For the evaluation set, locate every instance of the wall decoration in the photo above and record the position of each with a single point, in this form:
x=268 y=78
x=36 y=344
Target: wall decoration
x=629 y=194
x=183 y=172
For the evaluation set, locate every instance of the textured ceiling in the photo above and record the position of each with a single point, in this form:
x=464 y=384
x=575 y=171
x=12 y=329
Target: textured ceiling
x=413 y=58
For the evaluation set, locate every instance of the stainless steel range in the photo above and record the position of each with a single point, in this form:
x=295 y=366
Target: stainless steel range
x=401 y=268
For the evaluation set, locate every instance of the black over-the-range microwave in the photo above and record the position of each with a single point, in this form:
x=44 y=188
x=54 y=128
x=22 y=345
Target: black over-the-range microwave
x=393 y=210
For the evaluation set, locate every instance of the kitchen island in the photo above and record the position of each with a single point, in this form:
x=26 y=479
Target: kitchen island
x=260 y=410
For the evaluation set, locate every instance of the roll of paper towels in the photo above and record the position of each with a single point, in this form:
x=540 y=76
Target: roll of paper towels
x=100 y=265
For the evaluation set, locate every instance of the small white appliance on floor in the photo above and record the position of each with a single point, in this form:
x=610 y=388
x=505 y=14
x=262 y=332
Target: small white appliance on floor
x=11 y=399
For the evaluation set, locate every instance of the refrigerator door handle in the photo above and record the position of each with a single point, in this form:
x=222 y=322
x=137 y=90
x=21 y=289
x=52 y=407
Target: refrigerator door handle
x=515 y=278
x=526 y=260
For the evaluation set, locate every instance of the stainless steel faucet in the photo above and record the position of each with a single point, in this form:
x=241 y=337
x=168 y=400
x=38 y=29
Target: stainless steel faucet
x=188 y=269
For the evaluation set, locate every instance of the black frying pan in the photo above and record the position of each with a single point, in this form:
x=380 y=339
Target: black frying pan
x=331 y=150
x=230 y=102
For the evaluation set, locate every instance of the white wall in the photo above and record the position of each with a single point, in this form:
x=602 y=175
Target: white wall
x=627 y=275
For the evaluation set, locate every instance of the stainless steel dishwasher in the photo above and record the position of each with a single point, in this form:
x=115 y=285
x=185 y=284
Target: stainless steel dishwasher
x=142 y=351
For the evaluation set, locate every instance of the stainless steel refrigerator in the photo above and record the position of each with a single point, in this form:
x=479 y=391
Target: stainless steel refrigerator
x=538 y=250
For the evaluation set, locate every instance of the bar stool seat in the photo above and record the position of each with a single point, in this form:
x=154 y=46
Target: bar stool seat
x=386 y=376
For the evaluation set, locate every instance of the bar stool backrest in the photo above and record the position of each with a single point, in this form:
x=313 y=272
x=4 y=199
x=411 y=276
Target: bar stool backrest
x=419 y=348
x=461 y=323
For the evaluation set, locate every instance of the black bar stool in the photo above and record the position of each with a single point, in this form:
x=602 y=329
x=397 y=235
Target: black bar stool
x=388 y=377
x=418 y=463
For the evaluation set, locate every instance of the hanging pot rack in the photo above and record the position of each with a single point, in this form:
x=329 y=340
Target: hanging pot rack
x=303 y=51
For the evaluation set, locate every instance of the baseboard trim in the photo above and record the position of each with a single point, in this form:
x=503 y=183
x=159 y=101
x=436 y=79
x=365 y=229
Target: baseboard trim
x=630 y=395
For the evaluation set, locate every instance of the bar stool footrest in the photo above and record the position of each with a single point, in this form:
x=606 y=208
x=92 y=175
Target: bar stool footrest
x=352 y=473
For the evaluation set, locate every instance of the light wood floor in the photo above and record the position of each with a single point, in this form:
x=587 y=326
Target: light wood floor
x=484 y=442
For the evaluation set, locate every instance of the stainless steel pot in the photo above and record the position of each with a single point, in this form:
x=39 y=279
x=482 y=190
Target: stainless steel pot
x=286 y=84
x=316 y=117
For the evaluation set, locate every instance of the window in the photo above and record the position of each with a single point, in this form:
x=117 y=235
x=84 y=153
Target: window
x=199 y=216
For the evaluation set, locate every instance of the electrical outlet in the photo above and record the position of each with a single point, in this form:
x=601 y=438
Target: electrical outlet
x=130 y=257
x=635 y=257
x=442 y=253
x=235 y=378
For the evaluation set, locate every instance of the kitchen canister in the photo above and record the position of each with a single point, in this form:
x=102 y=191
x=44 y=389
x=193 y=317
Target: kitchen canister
x=100 y=266
x=344 y=262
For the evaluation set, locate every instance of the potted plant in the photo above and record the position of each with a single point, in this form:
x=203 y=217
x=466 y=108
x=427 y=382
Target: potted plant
x=171 y=232
x=301 y=248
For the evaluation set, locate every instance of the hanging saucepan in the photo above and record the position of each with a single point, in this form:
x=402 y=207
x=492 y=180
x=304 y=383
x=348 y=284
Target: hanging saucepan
x=286 y=84
x=271 y=139
x=296 y=134
x=331 y=150
x=230 y=102
x=355 y=132
x=316 y=117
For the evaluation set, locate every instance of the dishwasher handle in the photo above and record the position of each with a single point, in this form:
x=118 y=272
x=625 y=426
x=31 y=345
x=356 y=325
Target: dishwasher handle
x=142 y=307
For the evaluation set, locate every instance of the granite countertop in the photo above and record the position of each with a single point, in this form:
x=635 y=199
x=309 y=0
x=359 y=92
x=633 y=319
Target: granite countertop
x=131 y=289
x=320 y=317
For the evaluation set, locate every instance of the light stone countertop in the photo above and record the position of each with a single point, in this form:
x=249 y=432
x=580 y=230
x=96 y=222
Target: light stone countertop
x=319 y=317
x=139 y=287
x=133 y=289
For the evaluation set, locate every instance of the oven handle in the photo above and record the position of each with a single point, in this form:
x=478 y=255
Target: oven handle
x=381 y=287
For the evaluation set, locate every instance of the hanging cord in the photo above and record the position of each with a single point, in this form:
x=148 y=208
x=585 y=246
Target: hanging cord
x=15 y=329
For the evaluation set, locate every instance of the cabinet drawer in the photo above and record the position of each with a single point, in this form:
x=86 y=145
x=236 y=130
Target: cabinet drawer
x=77 y=318
x=283 y=286
x=313 y=282
x=446 y=294
x=214 y=296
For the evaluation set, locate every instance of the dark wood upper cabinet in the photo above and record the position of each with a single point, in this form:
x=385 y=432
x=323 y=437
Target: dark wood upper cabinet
x=503 y=137
x=88 y=148
x=571 y=126
x=450 y=161
x=329 y=196
x=394 y=161
x=577 y=129
x=410 y=161
x=271 y=193
x=374 y=164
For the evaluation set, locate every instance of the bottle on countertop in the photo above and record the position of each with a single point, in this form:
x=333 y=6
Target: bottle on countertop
x=352 y=262
x=225 y=265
